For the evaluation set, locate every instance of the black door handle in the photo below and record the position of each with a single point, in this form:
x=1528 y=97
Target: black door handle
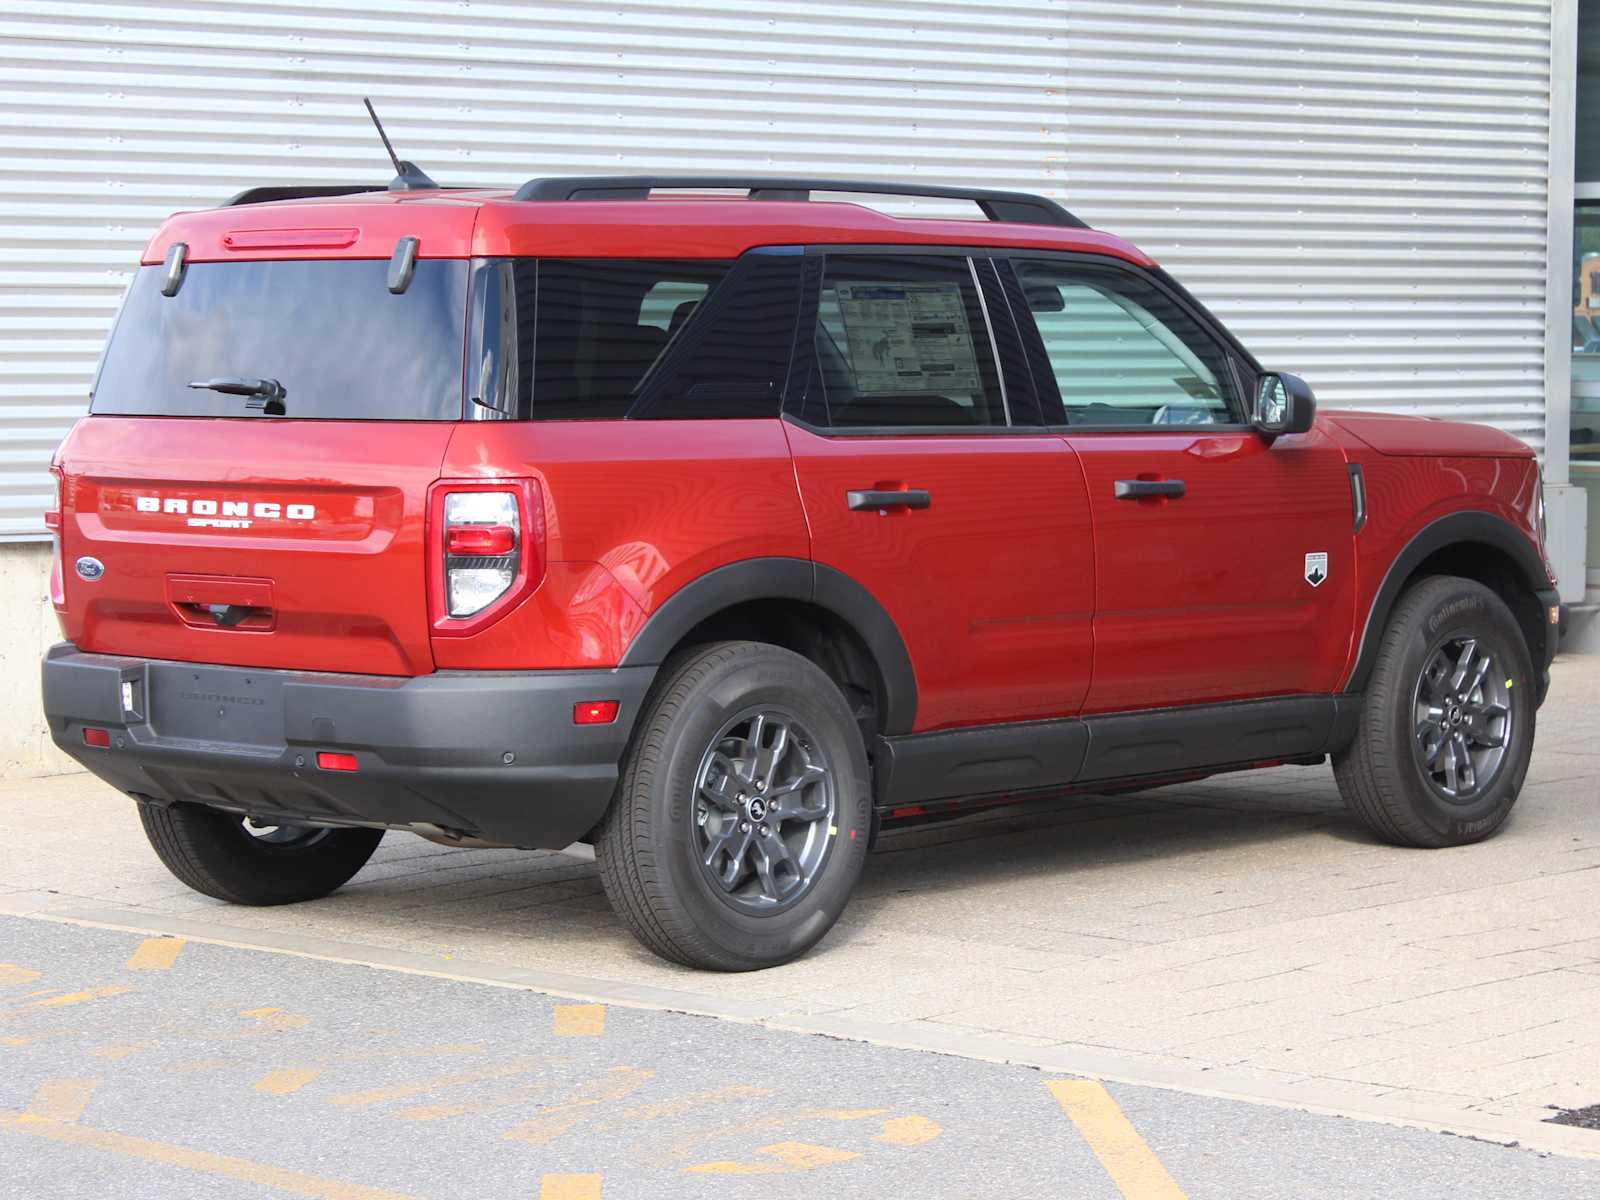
x=909 y=498
x=1143 y=489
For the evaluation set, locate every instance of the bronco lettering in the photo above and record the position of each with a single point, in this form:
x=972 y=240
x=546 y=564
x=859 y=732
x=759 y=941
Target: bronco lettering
x=206 y=506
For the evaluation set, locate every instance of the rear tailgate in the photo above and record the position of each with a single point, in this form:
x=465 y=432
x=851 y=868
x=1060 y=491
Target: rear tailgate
x=250 y=541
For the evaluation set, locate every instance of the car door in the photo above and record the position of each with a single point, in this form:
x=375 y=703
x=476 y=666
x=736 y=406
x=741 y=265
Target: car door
x=928 y=479
x=1224 y=559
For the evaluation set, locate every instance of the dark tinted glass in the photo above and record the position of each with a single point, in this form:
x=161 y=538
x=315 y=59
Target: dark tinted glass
x=731 y=360
x=584 y=335
x=901 y=342
x=341 y=344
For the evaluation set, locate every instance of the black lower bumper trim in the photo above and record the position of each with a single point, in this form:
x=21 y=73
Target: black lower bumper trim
x=1548 y=599
x=490 y=754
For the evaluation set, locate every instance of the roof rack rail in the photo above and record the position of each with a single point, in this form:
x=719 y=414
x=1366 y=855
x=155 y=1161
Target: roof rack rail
x=298 y=191
x=997 y=206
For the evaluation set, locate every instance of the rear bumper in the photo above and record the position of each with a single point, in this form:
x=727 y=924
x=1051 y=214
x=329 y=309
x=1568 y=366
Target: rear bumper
x=432 y=751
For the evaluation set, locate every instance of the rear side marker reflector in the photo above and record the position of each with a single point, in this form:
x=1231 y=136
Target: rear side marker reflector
x=595 y=712
x=330 y=761
x=97 y=737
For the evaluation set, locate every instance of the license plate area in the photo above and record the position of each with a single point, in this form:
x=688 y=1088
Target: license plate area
x=210 y=704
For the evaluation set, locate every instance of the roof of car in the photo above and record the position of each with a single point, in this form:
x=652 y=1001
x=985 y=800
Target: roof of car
x=485 y=222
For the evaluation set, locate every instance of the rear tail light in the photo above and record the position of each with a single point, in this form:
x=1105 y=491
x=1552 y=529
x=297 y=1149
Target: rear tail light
x=52 y=522
x=468 y=540
x=489 y=547
x=480 y=549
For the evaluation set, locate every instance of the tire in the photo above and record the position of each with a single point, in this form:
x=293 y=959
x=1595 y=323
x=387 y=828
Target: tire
x=689 y=789
x=1406 y=774
x=217 y=855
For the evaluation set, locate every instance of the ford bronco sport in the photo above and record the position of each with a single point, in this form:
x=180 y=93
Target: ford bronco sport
x=720 y=530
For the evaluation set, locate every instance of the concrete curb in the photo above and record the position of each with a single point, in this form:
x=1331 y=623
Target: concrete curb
x=1327 y=1097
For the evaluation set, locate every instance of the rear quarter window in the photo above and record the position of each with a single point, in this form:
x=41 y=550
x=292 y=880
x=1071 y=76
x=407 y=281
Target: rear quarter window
x=587 y=340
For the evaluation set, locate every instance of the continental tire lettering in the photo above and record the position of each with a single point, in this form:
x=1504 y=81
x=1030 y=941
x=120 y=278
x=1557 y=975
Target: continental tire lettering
x=1450 y=610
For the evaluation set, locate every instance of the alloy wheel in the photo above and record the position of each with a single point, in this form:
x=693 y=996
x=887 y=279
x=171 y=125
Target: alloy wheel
x=1463 y=719
x=763 y=813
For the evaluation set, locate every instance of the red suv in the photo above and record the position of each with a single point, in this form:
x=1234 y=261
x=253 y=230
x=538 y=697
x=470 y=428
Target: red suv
x=720 y=530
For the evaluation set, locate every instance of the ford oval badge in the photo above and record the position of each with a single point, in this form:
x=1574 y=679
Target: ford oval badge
x=90 y=568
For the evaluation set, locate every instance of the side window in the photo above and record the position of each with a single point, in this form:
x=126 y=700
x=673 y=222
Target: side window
x=671 y=302
x=1122 y=352
x=579 y=340
x=729 y=356
x=901 y=341
x=584 y=335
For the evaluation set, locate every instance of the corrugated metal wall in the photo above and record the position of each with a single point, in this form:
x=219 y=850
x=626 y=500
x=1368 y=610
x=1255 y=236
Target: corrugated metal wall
x=1356 y=186
x=1359 y=186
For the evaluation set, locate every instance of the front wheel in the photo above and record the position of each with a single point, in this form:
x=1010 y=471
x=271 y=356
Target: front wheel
x=739 y=827
x=1444 y=739
x=238 y=860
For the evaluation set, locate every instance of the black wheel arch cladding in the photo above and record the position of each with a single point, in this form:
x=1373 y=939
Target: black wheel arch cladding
x=792 y=579
x=1463 y=529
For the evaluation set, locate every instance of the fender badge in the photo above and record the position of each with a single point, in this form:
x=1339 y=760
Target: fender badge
x=90 y=568
x=1316 y=568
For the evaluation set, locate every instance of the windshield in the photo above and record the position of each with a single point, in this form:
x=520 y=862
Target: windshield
x=330 y=332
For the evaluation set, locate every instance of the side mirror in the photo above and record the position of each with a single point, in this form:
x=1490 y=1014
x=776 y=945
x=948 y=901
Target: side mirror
x=1284 y=404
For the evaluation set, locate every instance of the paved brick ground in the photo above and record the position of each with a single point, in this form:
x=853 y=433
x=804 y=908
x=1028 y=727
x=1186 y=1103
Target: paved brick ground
x=1245 y=925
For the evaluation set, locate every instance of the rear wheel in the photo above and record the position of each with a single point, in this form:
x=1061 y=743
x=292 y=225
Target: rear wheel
x=1446 y=733
x=244 y=862
x=740 y=823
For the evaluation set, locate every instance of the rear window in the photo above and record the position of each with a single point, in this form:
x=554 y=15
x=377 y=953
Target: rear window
x=330 y=332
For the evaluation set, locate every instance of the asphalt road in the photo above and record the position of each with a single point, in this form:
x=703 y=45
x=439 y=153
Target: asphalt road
x=169 y=1069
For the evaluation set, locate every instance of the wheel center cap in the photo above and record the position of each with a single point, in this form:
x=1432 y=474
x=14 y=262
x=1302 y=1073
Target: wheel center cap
x=1455 y=714
x=757 y=808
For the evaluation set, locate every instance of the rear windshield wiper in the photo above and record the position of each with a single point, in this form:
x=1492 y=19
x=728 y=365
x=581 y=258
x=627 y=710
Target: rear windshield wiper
x=266 y=394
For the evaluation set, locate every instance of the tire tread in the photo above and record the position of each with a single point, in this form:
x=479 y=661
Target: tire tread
x=1370 y=771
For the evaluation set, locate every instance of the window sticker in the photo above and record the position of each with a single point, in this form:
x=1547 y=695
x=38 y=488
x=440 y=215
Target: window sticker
x=908 y=337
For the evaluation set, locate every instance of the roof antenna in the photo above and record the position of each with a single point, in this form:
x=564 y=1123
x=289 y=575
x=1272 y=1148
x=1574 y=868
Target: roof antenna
x=408 y=177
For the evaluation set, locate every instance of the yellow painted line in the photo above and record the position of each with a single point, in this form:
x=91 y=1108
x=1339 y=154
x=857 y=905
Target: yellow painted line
x=1131 y=1163
x=276 y=1018
x=156 y=954
x=570 y=1187
x=32 y=1038
x=909 y=1131
x=558 y=1119
x=403 y=1091
x=12 y=975
x=66 y=998
x=440 y=1112
x=296 y=1183
x=118 y=1051
x=60 y=1100
x=285 y=1081
x=678 y=1105
x=580 y=1020
x=782 y=1157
